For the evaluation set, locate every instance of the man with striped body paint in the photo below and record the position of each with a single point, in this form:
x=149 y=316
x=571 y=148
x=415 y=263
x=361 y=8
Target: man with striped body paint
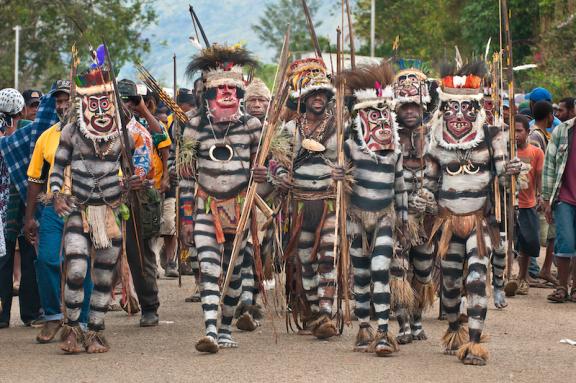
x=412 y=96
x=91 y=145
x=219 y=146
x=378 y=200
x=464 y=155
x=307 y=174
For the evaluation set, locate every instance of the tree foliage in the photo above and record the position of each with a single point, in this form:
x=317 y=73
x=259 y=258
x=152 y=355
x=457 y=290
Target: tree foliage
x=277 y=16
x=542 y=32
x=48 y=34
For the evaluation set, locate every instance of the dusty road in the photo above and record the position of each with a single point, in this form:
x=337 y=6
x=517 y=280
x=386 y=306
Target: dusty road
x=524 y=346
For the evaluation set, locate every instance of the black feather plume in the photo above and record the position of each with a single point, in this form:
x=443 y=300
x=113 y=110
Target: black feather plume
x=218 y=56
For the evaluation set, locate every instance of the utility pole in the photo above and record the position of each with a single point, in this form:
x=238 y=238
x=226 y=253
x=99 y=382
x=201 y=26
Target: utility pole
x=17 y=29
x=372 y=26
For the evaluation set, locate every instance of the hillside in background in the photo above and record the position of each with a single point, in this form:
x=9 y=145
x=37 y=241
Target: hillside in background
x=224 y=21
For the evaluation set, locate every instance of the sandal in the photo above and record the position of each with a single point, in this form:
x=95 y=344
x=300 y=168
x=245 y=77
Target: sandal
x=573 y=295
x=548 y=278
x=560 y=295
x=49 y=331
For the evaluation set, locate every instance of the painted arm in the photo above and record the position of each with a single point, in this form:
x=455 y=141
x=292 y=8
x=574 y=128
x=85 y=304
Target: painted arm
x=400 y=193
x=62 y=159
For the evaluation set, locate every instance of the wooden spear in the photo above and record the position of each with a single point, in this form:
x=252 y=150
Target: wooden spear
x=281 y=91
x=340 y=236
x=351 y=32
x=311 y=29
x=512 y=137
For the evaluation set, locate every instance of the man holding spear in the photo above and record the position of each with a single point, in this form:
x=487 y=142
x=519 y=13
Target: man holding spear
x=307 y=173
x=216 y=156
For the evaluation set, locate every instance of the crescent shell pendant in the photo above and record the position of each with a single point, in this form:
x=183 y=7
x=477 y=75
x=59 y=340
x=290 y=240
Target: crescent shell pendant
x=226 y=146
x=312 y=145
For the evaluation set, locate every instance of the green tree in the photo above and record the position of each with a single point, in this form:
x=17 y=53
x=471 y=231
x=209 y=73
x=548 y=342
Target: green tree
x=48 y=34
x=426 y=28
x=278 y=15
x=480 y=20
x=266 y=73
x=431 y=29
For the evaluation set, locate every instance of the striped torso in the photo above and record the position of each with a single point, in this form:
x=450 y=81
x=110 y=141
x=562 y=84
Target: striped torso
x=374 y=181
x=312 y=173
x=223 y=180
x=95 y=179
x=466 y=193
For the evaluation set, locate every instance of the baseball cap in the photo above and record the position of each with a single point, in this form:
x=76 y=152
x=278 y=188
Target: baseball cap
x=31 y=96
x=61 y=86
x=185 y=96
x=127 y=88
x=539 y=94
x=506 y=103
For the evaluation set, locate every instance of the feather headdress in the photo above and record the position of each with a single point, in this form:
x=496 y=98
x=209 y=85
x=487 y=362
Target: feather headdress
x=464 y=83
x=369 y=84
x=411 y=83
x=308 y=75
x=221 y=64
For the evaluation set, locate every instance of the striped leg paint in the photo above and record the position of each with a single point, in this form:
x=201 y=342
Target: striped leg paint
x=309 y=269
x=498 y=265
x=76 y=253
x=473 y=352
x=248 y=277
x=401 y=289
x=102 y=275
x=380 y=261
x=422 y=259
x=476 y=287
x=452 y=274
x=362 y=277
x=326 y=269
x=233 y=294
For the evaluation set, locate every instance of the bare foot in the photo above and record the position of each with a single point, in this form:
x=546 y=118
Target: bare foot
x=383 y=344
x=325 y=330
x=72 y=340
x=473 y=360
x=96 y=343
x=548 y=278
x=226 y=341
x=500 y=299
x=419 y=335
x=246 y=322
x=207 y=344
x=404 y=338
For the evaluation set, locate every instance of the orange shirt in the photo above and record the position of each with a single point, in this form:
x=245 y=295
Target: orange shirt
x=535 y=157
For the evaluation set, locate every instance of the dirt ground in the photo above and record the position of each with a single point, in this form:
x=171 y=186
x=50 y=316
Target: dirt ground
x=524 y=346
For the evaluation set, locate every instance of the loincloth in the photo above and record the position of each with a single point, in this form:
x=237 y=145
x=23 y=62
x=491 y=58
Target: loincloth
x=315 y=212
x=100 y=221
x=462 y=225
x=364 y=222
x=225 y=213
x=418 y=228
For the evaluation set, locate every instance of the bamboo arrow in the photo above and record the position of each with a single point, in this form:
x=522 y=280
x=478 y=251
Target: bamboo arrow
x=512 y=136
x=281 y=89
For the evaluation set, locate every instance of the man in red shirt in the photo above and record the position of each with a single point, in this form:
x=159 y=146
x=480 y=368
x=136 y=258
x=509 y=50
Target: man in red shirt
x=530 y=186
